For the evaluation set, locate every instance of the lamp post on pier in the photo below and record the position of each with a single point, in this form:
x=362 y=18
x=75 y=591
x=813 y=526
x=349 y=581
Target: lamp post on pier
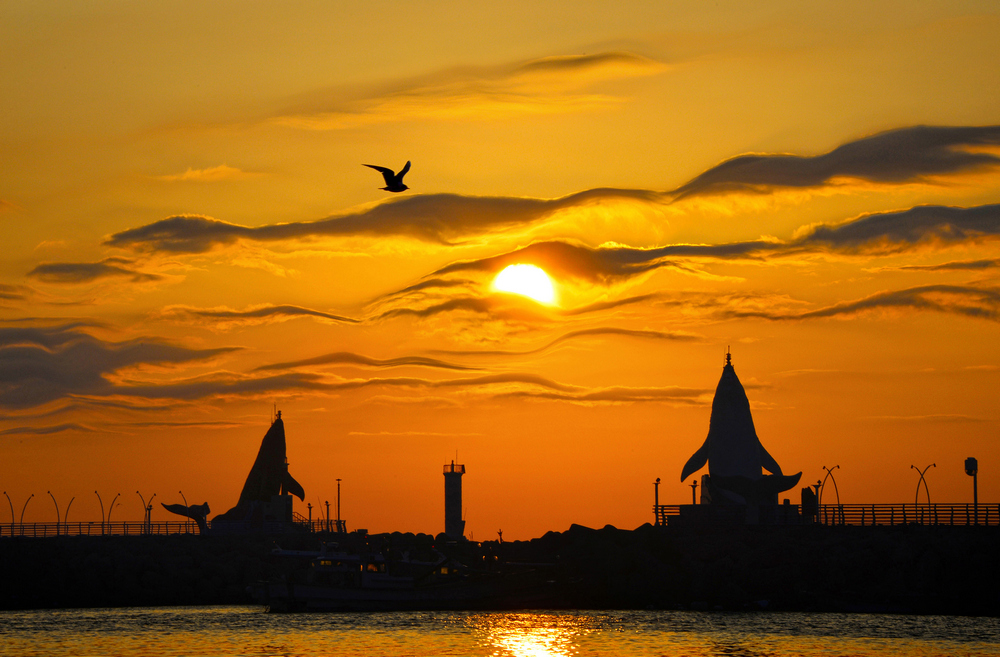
x=22 y=511
x=972 y=469
x=338 y=507
x=11 y=512
x=922 y=480
x=57 y=510
x=110 y=509
x=66 y=515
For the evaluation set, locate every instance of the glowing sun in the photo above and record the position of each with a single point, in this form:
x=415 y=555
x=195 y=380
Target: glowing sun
x=527 y=280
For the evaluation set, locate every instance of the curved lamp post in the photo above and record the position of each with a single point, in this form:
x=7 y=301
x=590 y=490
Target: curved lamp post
x=102 y=511
x=11 y=512
x=111 y=508
x=829 y=475
x=57 y=510
x=182 y=497
x=22 y=511
x=923 y=481
x=66 y=515
x=143 y=510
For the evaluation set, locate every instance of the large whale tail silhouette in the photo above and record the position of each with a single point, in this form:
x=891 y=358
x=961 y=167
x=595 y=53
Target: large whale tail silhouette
x=734 y=453
x=268 y=477
x=197 y=512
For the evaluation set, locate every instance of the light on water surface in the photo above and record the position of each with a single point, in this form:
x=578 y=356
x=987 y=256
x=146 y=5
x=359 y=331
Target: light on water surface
x=249 y=632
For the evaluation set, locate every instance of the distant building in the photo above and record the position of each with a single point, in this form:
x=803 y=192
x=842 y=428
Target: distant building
x=454 y=525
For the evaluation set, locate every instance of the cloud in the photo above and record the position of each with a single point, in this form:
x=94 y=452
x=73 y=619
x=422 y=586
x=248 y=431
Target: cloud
x=899 y=156
x=439 y=218
x=254 y=315
x=894 y=157
x=39 y=365
x=575 y=335
x=550 y=85
x=981 y=303
x=44 y=431
x=86 y=272
x=962 y=265
x=604 y=264
x=887 y=232
x=621 y=395
x=212 y=174
x=348 y=358
x=11 y=292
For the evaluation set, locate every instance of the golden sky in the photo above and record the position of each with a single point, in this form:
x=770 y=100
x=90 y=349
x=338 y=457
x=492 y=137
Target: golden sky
x=190 y=240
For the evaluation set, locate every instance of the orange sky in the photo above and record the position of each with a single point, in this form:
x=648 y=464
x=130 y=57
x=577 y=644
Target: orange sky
x=191 y=240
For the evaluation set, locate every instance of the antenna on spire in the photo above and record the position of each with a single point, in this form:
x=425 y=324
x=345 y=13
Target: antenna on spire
x=729 y=356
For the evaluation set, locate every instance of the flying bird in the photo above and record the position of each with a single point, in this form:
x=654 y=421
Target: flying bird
x=393 y=180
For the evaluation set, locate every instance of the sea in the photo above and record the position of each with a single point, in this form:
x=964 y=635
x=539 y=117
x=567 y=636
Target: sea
x=250 y=632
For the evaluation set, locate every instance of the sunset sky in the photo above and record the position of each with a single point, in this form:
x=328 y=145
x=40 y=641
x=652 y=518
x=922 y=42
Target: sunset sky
x=191 y=240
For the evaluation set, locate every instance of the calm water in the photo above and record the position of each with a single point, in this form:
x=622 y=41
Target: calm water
x=247 y=631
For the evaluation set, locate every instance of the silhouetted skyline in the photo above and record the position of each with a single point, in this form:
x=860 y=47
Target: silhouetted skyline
x=192 y=236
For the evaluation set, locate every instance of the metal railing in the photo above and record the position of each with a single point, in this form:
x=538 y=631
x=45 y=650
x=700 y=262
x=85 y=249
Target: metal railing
x=141 y=528
x=863 y=515
x=135 y=528
x=909 y=514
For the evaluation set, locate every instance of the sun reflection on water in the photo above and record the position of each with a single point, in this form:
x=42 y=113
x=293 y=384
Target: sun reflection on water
x=529 y=634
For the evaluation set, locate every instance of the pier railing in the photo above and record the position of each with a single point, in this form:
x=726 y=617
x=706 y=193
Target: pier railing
x=864 y=515
x=908 y=514
x=140 y=528
x=136 y=528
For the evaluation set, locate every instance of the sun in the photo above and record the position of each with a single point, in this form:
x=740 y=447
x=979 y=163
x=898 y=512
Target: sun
x=527 y=280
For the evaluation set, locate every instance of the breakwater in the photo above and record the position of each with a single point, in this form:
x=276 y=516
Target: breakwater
x=919 y=569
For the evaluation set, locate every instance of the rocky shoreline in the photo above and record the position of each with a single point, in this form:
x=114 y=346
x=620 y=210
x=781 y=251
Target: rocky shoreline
x=902 y=569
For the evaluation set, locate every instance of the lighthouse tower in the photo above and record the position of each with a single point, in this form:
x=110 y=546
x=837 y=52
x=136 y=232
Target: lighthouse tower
x=454 y=526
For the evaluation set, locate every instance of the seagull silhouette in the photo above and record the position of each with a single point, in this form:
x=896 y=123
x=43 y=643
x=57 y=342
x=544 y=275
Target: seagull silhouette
x=393 y=180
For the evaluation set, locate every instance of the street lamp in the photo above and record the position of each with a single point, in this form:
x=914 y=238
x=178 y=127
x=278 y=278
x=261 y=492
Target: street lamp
x=22 y=511
x=110 y=509
x=923 y=481
x=972 y=469
x=11 y=512
x=57 y=510
x=829 y=474
x=66 y=515
x=147 y=511
x=183 y=498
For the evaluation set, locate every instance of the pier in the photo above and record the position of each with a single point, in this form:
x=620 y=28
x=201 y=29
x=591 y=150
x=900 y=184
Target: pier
x=861 y=515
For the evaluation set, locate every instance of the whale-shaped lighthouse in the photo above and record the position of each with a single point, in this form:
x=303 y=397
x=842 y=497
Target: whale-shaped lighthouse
x=734 y=453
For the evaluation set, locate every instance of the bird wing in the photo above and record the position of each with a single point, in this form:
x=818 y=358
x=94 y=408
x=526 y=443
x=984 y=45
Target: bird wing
x=387 y=174
x=403 y=172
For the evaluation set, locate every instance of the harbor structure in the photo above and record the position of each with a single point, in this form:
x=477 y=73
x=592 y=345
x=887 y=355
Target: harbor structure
x=454 y=524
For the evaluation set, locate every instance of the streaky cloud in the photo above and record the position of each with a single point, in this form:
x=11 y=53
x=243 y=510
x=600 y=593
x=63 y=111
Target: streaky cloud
x=87 y=272
x=981 y=303
x=898 y=156
x=573 y=335
x=606 y=263
x=261 y=314
x=39 y=365
x=619 y=395
x=439 y=218
x=348 y=358
x=45 y=431
x=897 y=231
x=960 y=265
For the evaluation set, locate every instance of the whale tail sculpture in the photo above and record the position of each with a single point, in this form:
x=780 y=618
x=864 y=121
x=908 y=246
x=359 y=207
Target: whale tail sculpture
x=197 y=512
x=268 y=477
x=733 y=451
